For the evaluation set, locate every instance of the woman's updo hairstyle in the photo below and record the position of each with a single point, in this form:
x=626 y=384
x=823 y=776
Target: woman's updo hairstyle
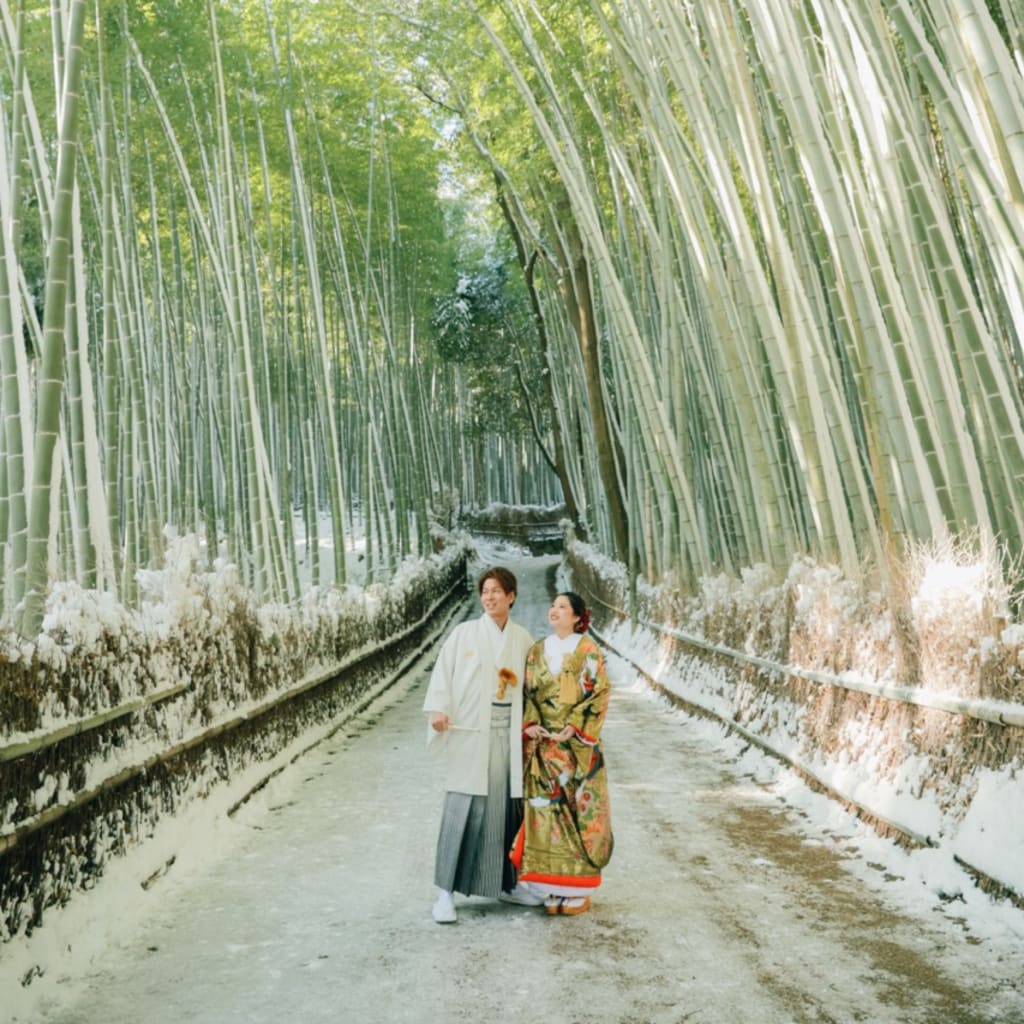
x=578 y=608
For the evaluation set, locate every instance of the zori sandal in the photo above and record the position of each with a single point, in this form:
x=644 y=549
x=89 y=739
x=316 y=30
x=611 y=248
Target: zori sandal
x=575 y=905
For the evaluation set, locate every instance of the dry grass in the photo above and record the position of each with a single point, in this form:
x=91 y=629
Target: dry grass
x=938 y=618
x=957 y=593
x=228 y=647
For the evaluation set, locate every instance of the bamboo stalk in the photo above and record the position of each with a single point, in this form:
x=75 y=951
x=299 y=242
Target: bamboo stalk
x=51 y=375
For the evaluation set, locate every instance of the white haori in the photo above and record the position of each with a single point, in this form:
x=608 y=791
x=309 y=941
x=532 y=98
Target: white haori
x=463 y=686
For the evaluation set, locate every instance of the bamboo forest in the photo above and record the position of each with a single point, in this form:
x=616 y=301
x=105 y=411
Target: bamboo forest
x=303 y=302
x=733 y=283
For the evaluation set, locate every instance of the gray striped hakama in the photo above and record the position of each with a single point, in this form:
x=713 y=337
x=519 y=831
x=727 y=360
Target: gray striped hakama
x=477 y=831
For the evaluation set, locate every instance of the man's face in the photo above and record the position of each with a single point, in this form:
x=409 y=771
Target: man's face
x=496 y=601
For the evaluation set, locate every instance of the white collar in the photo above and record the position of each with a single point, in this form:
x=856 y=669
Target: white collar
x=557 y=648
x=496 y=635
x=498 y=631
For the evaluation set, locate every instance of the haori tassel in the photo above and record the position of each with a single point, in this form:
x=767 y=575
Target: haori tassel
x=506 y=678
x=568 y=693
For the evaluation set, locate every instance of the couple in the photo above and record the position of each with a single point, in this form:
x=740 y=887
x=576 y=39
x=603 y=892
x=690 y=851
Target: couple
x=525 y=815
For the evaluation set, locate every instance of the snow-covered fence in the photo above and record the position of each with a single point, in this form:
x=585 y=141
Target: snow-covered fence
x=33 y=744
x=221 y=686
x=997 y=711
x=538 y=528
x=923 y=766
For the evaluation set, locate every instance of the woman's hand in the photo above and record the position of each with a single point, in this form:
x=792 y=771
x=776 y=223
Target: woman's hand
x=439 y=721
x=536 y=732
x=566 y=734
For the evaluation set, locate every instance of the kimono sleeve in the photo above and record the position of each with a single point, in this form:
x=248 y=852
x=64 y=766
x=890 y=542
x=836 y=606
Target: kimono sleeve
x=531 y=710
x=439 y=689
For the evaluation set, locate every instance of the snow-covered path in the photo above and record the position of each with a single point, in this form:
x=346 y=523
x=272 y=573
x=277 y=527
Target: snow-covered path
x=720 y=905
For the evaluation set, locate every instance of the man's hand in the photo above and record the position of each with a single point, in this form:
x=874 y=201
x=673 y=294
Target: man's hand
x=439 y=721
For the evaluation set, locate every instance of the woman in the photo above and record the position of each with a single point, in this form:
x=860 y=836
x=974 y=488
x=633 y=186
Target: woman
x=566 y=836
x=474 y=705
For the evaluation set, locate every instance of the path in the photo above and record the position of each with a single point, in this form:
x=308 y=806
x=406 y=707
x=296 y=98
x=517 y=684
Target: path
x=718 y=906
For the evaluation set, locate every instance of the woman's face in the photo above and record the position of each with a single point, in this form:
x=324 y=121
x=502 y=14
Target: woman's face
x=561 y=616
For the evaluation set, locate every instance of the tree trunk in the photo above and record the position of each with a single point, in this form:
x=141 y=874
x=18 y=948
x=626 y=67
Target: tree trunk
x=579 y=302
x=527 y=265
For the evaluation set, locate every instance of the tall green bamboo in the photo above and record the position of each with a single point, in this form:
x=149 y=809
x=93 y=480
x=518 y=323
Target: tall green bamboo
x=51 y=369
x=312 y=267
x=16 y=399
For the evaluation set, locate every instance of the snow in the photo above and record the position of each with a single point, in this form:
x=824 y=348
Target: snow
x=922 y=871
x=990 y=835
x=958 y=598
x=947 y=588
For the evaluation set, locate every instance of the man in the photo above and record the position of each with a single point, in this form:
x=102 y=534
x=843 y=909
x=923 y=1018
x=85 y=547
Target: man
x=475 y=706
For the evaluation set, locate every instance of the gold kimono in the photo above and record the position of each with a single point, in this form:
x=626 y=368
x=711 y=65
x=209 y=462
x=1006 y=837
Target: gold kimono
x=566 y=836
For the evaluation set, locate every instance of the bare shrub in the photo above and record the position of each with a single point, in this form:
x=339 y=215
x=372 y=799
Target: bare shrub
x=956 y=592
x=839 y=624
x=751 y=614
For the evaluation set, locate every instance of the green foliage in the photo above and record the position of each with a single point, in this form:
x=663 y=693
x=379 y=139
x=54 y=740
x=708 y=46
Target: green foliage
x=773 y=252
x=484 y=326
x=475 y=322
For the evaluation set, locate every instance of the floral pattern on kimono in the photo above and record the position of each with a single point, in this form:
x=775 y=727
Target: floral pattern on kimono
x=566 y=836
